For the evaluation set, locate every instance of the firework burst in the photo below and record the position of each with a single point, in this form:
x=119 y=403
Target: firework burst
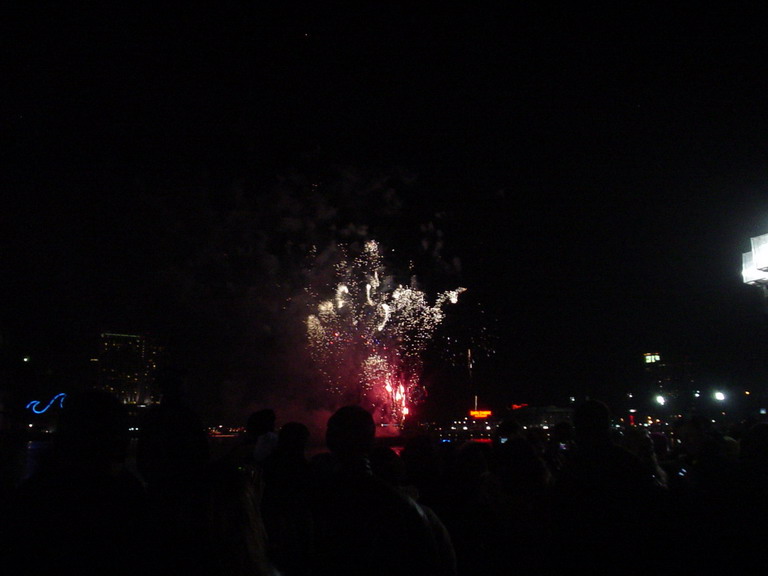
x=367 y=339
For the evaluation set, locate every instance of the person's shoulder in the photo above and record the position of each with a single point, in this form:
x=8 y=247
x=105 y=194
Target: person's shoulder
x=396 y=500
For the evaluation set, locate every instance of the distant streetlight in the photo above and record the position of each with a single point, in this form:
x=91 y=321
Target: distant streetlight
x=719 y=396
x=661 y=400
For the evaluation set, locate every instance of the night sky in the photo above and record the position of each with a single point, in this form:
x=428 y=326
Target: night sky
x=592 y=178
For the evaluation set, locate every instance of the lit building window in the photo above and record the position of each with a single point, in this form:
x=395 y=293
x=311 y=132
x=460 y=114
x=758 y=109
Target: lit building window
x=651 y=357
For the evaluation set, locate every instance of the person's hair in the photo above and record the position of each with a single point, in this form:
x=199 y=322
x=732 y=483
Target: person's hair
x=592 y=419
x=293 y=436
x=388 y=465
x=350 y=430
x=93 y=424
x=261 y=421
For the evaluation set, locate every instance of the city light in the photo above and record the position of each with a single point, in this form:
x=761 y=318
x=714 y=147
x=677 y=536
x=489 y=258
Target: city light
x=35 y=404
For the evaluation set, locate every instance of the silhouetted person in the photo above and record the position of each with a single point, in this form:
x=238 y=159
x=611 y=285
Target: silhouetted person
x=389 y=466
x=559 y=445
x=173 y=443
x=464 y=508
x=424 y=467
x=81 y=511
x=172 y=454
x=286 y=501
x=508 y=428
x=259 y=440
x=517 y=490
x=13 y=447
x=608 y=512
x=235 y=539
x=639 y=441
x=362 y=524
x=748 y=521
x=262 y=424
x=702 y=478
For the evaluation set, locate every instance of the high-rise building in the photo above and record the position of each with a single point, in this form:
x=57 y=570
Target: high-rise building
x=127 y=364
x=670 y=382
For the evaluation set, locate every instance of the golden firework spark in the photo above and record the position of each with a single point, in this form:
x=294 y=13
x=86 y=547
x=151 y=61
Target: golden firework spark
x=368 y=339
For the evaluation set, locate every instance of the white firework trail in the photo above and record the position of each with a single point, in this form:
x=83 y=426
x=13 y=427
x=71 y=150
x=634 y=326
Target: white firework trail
x=367 y=341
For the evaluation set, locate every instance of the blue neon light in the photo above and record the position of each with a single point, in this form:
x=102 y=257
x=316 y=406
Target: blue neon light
x=35 y=404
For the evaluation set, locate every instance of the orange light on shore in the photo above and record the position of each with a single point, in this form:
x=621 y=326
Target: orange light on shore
x=480 y=413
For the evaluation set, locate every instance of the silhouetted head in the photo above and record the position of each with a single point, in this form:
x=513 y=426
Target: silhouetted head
x=638 y=440
x=754 y=446
x=387 y=465
x=260 y=422
x=293 y=437
x=470 y=463
x=350 y=431
x=93 y=425
x=592 y=422
x=696 y=434
x=562 y=432
x=508 y=428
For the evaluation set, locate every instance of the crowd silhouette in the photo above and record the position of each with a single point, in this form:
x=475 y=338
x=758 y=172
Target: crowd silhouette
x=584 y=497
